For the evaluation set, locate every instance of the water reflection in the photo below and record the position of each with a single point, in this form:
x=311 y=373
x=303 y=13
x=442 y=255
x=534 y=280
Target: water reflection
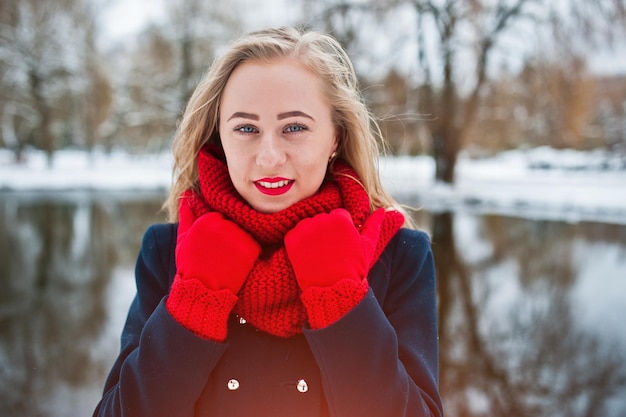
x=527 y=308
x=512 y=342
x=56 y=262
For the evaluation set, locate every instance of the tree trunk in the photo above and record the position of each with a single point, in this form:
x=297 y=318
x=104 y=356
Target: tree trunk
x=446 y=140
x=445 y=154
x=46 y=140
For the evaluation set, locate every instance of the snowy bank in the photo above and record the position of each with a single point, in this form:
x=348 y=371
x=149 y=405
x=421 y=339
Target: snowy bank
x=539 y=183
x=78 y=170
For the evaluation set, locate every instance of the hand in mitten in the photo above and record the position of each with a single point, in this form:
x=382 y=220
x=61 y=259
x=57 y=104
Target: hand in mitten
x=216 y=252
x=331 y=260
x=213 y=259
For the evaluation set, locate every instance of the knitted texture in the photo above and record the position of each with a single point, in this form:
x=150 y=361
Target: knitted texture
x=201 y=310
x=270 y=297
x=326 y=305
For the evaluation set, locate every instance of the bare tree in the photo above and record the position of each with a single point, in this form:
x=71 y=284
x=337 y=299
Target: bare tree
x=546 y=103
x=156 y=76
x=45 y=49
x=455 y=114
x=459 y=44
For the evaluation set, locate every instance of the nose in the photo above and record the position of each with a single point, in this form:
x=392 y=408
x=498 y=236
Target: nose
x=271 y=152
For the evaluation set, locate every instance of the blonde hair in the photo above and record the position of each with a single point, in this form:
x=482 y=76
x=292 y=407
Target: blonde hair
x=359 y=138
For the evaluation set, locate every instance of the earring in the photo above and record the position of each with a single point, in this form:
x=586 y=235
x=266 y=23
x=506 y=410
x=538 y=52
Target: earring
x=332 y=156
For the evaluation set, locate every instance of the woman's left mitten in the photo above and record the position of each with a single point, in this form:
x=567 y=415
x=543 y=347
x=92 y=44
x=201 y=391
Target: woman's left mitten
x=331 y=261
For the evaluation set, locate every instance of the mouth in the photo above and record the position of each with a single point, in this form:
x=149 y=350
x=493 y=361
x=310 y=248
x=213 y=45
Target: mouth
x=273 y=186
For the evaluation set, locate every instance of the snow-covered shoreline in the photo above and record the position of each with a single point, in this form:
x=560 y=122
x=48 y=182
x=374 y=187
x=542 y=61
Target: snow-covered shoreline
x=77 y=170
x=540 y=183
x=544 y=184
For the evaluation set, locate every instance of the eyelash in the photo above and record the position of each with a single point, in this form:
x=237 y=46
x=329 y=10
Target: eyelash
x=249 y=129
x=301 y=127
x=240 y=129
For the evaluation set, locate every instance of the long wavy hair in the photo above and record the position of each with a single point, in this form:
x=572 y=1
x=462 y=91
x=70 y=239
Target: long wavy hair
x=360 y=140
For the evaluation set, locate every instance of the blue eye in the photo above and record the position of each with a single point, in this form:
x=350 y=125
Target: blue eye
x=245 y=129
x=296 y=127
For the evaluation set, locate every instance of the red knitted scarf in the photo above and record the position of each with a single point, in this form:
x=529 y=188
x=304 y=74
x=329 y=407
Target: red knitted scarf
x=270 y=297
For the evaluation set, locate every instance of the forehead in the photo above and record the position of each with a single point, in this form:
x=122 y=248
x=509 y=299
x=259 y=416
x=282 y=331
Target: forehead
x=282 y=80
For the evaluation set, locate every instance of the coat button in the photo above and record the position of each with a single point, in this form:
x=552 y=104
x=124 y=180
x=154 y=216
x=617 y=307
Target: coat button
x=233 y=384
x=302 y=386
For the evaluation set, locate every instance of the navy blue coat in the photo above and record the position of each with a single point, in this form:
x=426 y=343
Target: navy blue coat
x=381 y=359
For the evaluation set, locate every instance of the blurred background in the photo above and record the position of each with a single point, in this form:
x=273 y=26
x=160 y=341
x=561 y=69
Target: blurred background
x=506 y=123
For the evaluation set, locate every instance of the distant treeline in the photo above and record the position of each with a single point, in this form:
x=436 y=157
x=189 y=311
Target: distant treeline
x=465 y=74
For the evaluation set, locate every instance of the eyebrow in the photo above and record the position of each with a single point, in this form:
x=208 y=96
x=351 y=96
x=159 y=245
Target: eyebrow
x=281 y=116
x=243 y=115
x=294 y=113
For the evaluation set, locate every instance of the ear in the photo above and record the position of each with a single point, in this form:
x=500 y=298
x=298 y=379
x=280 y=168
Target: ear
x=338 y=137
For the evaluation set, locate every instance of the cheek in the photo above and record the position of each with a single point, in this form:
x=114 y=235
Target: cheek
x=234 y=164
x=235 y=168
x=314 y=170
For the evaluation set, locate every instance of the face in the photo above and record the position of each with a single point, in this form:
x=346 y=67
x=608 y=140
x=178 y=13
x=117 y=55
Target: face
x=277 y=133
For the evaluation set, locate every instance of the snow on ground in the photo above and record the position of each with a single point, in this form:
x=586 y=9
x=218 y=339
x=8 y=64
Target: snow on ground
x=72 y=170
x=542 y=182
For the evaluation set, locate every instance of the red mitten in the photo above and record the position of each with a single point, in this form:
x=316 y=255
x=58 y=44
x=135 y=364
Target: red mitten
x=213 y=259
x=331 y=260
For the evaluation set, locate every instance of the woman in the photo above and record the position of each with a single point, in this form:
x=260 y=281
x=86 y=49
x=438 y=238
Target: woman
x=285 y=284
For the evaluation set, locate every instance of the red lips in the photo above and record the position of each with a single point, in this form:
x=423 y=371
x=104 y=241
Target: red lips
x=273 y=186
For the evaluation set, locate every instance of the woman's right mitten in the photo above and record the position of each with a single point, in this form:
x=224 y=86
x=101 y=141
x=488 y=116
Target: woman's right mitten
x=213 y=259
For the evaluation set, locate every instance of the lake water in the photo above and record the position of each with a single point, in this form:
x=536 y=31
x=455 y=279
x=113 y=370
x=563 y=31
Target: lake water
x=531 y=312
